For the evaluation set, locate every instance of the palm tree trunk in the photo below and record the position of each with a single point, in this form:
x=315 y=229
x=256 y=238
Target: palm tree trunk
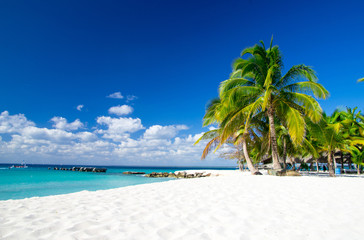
x=284 y=153
x=358 y=169
x=249 y=162
x=241 y=165
x=293 y=163
x=317 y=166
x=273 y=139
x=349 y=161
x=342 y=161
x=329 y=163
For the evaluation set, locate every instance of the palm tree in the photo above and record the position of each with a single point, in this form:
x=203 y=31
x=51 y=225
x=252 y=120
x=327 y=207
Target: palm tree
x=357 y=153
x=259 y=81
x=353 y=134
x=340 y=131
x=327 y=133
x=311 y=148
x=360 y=80
x=284 y=143
x=215 y=113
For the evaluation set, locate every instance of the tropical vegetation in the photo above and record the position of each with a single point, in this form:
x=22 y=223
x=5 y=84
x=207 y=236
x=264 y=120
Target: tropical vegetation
x=263 y=112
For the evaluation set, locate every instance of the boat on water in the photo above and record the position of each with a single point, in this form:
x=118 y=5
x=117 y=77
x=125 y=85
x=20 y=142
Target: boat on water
x=23 y=165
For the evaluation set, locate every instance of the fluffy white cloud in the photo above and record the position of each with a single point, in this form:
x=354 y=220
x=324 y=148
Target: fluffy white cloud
x=163 y=132
x=85 y=136
x=116 y=95
x=118 y=128
x=13 y=123
x=56 y=135
x=109 y=143
x=62 y=123
x=121 y=110
x=79 y=107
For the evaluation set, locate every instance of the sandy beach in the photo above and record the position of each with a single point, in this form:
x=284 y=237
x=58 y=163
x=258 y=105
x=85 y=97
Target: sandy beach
x=231 y=206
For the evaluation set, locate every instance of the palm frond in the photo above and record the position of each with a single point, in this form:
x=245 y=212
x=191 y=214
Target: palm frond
x=295 y=124
x=208 y=135
x=267 y=97
x=309 y=105
x=231 y=83
x=209 y=146
x=239 y=118
x=212 y=112
x=313 y=88
x=298 y=72
x=256 y=50
x=310 y=148
x=239 y=94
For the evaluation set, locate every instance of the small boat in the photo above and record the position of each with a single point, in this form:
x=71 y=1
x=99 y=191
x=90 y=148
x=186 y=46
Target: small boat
x=23 y=165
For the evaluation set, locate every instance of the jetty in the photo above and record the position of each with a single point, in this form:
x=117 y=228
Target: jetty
x=133 y=173
x=81 y=169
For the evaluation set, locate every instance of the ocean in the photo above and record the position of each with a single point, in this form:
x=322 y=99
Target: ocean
x=38 y=180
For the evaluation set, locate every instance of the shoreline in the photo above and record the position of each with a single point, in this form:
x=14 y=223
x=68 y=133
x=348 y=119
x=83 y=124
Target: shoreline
x=231 y=206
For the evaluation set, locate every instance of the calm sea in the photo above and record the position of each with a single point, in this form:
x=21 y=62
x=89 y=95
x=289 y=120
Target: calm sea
x=38 y=180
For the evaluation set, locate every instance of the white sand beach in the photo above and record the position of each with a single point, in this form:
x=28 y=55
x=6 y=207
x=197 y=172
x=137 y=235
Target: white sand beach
x=231 y=206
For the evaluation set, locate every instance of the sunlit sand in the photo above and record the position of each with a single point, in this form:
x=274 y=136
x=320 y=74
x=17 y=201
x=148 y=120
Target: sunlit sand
x=230 y=206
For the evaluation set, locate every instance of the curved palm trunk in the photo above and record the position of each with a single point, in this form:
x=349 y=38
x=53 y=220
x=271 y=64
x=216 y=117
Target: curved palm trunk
x=249 y=162
x=329 y=163
x=284 y=153
x=273 y=139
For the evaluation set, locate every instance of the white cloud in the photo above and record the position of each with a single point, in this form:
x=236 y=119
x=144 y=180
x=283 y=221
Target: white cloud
x=163 y=132
x=121 y=110
x=116 y=95
x=130 y=98
x=62 y=123
x=119 y=128
x=212 y=128
x=13 y=123
x=110 y=143
x=56 y=135
x=79 y=107
x=85 y=136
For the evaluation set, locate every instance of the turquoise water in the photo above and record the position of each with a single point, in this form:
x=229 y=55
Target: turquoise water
x=37 y=181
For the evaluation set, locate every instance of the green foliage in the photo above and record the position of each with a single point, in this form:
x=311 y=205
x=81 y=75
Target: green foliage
x=258 y=95
x=259 y=79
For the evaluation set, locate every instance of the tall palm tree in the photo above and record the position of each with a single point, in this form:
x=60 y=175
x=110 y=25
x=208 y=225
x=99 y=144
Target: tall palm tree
x=361 y=80
x=285 y=98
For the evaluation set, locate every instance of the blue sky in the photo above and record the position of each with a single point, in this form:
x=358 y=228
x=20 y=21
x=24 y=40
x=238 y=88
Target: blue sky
x=170 y=55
